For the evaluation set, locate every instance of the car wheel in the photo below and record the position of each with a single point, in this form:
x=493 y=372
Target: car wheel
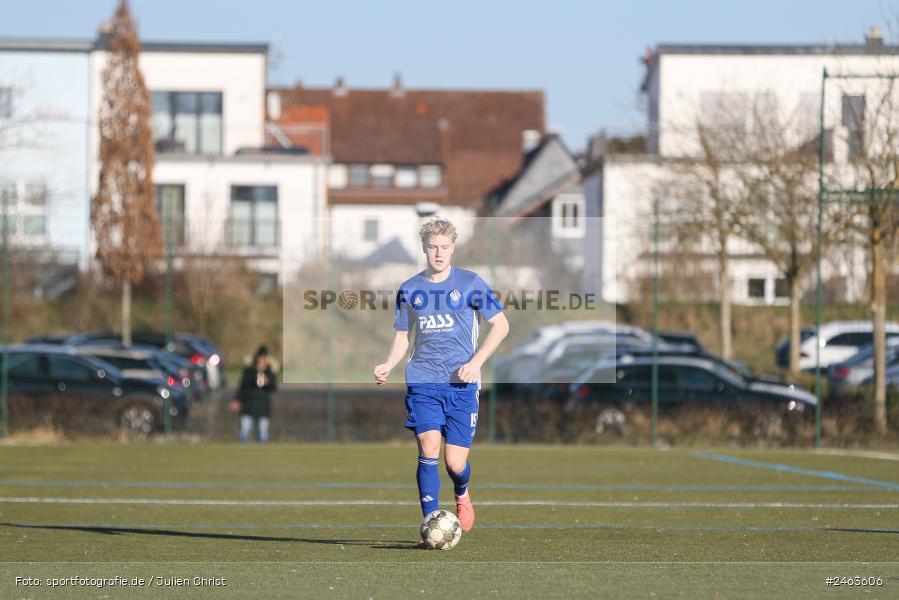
x=610 y=420
x=138 y=419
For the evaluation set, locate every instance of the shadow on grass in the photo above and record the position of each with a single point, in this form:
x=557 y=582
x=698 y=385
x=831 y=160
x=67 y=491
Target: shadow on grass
x=376 y=544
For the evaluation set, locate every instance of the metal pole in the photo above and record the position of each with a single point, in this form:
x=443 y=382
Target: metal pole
x=491 y=402
x=821 y=192
x=169 y=276
x=4 y=369
x=655 y=322
x=329 y=400
x=168 y=309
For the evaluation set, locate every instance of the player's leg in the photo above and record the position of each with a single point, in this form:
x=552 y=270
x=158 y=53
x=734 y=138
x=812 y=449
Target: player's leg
x=461 y=425
x=262 y=429
x=428 y=473
x=424 y=416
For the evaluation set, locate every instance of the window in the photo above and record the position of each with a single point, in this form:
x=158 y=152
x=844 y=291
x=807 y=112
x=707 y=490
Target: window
x=406 y=177
x=5 y=103
x=188 y=122
x=697 y=380
x=430 y=176
x=854 y=121
x=170 y=208
x=382 y=175
x=36 y=194
x=25 y=213
x=371 y=230
x=756 y=288
x=358 y=175
x=69 y=370
x=568 y=216
x=337 y=177
x=254 y=215
x=34 y=225
x=854 y=338
x=25 y=365
x=781 y=288
x=8 y=205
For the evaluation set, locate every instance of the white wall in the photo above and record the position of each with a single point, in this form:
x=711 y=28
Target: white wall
x=301 y=183
x=795 y=80
x=47 y=140
x=394 y=221
x=240 y=77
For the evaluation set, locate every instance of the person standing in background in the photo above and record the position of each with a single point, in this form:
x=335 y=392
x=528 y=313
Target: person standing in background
x=257 y=384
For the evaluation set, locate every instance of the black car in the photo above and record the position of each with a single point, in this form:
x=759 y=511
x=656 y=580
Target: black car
x=51 y=381
x=147 y=362
x=624 y=387
x=196 y=348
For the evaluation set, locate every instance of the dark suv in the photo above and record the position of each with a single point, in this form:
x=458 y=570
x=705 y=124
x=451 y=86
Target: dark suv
x=47 y=380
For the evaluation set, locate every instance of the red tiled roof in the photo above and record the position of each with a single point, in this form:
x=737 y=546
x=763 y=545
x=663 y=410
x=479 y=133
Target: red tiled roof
x=475 y=135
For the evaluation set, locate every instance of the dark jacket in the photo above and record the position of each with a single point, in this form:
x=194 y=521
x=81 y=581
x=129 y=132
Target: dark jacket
x=255 y=400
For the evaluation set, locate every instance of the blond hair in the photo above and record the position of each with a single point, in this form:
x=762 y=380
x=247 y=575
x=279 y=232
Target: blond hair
x=437 y=226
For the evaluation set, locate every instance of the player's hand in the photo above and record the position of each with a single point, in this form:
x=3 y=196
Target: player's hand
x=381 y=373
x=469 y=372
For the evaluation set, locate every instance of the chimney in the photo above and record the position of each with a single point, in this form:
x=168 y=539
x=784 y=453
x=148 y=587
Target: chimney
x=530 y=139
x=397 y=91
x=273 y=103
x=340 y=86
x=874 y=38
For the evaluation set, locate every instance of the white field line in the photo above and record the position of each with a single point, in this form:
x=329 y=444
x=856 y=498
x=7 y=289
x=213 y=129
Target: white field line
x=859 y=453
x=363 y=502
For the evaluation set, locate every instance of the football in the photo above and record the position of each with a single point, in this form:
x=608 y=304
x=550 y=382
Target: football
x=441 y=530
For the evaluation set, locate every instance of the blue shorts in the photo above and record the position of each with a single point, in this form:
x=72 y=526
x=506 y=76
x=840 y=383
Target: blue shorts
x=450 y=408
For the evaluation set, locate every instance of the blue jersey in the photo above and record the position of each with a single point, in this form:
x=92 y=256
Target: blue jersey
x=444 y=317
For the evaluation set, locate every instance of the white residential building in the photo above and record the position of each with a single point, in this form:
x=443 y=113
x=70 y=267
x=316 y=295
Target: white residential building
x=222 y=193
x=688 y=84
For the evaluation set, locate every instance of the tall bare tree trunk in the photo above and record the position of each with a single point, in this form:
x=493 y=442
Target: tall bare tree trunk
x=126 y=312
x=795 y=317
x=878 y=313
x=725 y=299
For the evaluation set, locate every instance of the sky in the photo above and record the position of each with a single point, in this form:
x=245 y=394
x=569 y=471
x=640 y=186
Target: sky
x=585 y=55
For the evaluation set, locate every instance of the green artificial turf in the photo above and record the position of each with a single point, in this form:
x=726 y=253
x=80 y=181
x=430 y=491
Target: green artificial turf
x=340 y=521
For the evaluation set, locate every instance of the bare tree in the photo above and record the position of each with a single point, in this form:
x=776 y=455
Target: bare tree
x=780 y=165
x=711 y=202
x=123 y=213
x=869 y=115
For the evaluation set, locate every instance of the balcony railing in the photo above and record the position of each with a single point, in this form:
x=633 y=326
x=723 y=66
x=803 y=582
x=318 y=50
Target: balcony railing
x=244 y=235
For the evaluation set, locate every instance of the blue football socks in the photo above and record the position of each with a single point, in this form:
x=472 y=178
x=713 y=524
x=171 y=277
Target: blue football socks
x=428 y=478
x=460 y=480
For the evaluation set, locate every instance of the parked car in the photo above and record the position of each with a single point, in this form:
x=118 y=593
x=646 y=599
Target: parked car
x=685 y=340
x=684 y=381
x=140 y=363
x=525 y=364
x=892 y=377
x=839 y=340
x=196 y=348
x=55 y=380
x=859 y=367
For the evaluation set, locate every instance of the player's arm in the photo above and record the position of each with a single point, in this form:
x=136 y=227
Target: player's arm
x=499 y=329
x=398 y=350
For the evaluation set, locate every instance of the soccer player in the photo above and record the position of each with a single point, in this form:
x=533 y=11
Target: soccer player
x=443 y=305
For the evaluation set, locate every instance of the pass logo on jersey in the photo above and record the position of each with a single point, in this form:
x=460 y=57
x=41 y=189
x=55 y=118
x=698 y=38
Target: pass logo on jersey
x=435 y=322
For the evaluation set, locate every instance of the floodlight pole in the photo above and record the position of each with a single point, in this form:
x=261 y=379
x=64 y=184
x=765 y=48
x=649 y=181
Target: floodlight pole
x=329 y=399
x=169 y=276
x=4 y=363
x=655 y=321
x=821 y=192
x=168 y=310
x=491 y=371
